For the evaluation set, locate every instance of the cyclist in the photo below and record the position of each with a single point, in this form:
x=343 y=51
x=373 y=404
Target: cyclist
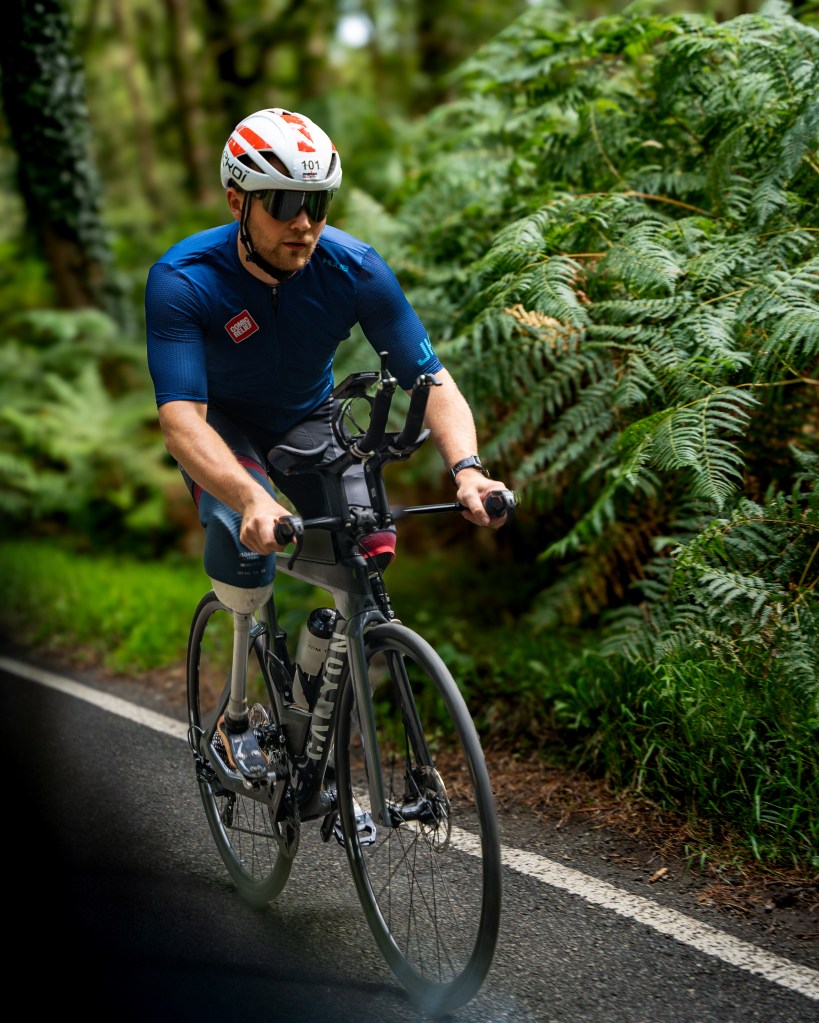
x=243 y=322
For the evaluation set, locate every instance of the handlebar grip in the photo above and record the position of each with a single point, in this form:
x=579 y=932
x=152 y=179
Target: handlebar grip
x=500 y=502
x=287 y=529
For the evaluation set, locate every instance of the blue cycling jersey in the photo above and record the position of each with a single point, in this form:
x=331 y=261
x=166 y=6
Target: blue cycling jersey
x=218 y=335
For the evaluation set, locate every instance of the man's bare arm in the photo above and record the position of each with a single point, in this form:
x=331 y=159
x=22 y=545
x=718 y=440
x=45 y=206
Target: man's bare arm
x=452 y=429
x=209 y=461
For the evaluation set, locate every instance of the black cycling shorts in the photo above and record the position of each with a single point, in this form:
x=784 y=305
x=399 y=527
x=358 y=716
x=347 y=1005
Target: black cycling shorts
x=226 y=559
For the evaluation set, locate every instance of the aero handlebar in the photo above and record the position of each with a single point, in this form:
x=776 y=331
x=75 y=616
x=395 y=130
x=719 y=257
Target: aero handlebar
x=366 y=445
x=376 y=447
x=290 y=528
x=416 y=412
x=497 y=503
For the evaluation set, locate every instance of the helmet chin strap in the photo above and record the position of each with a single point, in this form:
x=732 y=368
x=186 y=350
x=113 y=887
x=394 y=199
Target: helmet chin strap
x=251 y=255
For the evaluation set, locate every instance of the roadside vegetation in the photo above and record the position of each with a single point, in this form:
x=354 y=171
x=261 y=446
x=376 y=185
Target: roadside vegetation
x=733 y=756
x=611 y=231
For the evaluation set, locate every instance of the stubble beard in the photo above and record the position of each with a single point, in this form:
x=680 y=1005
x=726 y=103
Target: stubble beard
x=285 y=262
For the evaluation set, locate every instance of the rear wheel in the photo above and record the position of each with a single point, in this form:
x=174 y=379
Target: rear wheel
x=251 y=843
x=430 y=883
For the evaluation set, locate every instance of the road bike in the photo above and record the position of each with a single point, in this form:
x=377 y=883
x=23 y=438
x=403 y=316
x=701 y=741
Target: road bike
x=376 y=743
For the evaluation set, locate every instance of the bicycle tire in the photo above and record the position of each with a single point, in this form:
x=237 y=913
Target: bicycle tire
x=245 y=833
x=430 y=888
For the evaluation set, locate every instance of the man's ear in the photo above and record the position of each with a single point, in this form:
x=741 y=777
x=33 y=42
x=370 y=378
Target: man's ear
x=235 y=200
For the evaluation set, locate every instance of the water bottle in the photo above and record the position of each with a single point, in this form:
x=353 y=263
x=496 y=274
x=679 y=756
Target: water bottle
x=313 y=643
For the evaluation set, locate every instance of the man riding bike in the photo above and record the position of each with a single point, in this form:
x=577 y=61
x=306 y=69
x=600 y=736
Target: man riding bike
x=243 y=323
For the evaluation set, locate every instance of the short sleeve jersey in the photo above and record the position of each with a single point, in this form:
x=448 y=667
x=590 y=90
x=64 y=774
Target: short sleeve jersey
x=218 y=335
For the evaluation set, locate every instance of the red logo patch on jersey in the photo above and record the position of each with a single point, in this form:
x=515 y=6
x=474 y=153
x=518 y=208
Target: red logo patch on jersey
x=241 y=326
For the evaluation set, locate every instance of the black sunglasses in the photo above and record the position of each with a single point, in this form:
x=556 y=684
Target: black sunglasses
x=286 y=204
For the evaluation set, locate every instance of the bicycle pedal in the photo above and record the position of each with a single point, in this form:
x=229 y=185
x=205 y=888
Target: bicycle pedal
x=365 y=826
x=243 y=752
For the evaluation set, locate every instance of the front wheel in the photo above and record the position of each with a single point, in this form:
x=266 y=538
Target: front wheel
x=430 y=883
x=250 y=842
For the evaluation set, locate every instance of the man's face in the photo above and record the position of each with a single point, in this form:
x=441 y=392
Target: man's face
x=287 y=244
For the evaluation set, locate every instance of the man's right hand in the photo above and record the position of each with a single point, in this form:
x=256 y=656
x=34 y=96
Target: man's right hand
x=258 y=525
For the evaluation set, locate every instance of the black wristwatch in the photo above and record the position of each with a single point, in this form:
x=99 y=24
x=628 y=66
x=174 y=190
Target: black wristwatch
x=473 y=462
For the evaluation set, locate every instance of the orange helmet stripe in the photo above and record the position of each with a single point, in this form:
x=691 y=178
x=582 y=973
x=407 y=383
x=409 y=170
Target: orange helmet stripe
x=256 y=141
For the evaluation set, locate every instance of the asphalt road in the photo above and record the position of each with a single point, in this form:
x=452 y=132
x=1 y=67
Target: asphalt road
x=117 y=903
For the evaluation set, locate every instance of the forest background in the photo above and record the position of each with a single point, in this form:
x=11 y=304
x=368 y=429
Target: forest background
x=606 y=217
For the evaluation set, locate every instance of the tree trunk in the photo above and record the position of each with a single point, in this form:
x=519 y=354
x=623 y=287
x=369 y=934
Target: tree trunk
x=224 y=45
x=142 y=127
x=189 y=115
x=43 y=90
x=242 y=55
x=312 y=28
x=437 y=52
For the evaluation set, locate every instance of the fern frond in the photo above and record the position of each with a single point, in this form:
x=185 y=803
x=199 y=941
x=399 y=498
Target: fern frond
x=651 y=267
x=643 y=260
x=588 y=418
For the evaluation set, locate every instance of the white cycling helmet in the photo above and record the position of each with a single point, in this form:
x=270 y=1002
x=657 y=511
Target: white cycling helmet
x=304 y=149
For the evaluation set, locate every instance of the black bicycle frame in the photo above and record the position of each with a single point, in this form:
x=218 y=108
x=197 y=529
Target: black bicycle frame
x=350 y=586
x=327 y=555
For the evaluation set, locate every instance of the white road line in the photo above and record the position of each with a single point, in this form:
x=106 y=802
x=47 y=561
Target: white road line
x=703 y=937
x=106 y=701
x=691 y=932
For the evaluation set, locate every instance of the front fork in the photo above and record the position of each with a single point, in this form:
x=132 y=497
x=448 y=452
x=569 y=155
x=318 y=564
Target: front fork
x=359 y=675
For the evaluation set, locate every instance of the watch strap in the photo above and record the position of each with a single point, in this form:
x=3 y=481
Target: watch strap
x=472 y=462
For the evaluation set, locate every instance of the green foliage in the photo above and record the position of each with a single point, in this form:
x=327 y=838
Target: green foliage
x=79 y=439
x=612 y=236
x=629 y=283
x=727 y=746
x=618 y=254
x=128 y=615
x=739 y=591
x=25 y=283
x=43 y=89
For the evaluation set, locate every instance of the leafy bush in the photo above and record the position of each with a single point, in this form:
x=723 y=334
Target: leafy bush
x=634 y=311
x=79 y=440
x=692 y=734
x=616 y=247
